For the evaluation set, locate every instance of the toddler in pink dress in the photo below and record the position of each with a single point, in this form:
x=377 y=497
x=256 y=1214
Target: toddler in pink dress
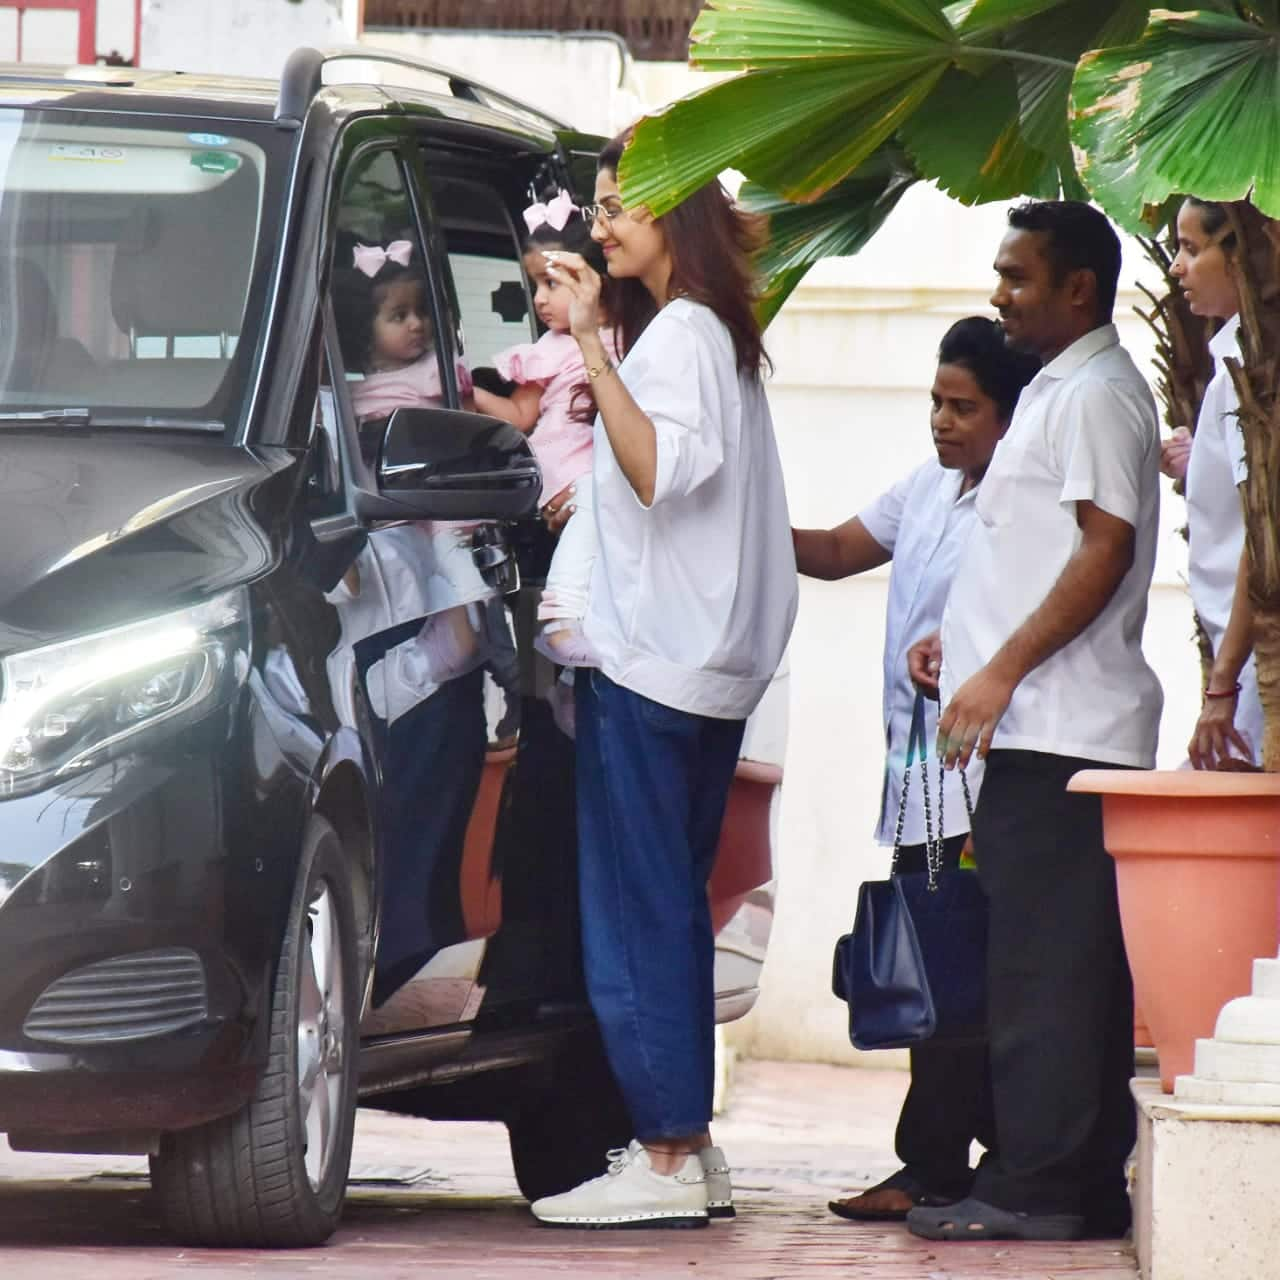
x=553 y=401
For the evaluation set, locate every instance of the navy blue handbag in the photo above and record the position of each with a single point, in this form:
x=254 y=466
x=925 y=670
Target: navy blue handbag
x=914 y=969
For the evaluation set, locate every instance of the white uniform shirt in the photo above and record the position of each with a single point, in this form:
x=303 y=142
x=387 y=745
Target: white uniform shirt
x=1215 y=518
x=924 y=521
x=1084 y=430
x=692 y=597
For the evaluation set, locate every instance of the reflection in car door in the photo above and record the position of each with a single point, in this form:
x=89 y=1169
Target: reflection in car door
x=422 y=631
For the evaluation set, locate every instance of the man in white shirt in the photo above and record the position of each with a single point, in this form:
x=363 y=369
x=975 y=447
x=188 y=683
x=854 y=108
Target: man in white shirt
x=1043 y=675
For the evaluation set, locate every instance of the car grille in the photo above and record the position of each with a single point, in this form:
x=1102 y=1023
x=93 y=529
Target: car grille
x=134 y=997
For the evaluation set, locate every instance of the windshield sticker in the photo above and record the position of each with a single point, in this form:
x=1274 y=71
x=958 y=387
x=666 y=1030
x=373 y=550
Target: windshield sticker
x=208 y=139
x=215 y=161
x=86 y=151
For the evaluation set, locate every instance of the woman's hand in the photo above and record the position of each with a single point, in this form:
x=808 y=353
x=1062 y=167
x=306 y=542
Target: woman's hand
x=556 y=511
x=924 y=664
x=1215 y=734
x=573 y=272
x=1175 y=453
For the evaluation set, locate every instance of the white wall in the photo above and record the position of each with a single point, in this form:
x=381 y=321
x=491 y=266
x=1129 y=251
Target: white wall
x=116 y=27
x=240 y=37
x=588 y=82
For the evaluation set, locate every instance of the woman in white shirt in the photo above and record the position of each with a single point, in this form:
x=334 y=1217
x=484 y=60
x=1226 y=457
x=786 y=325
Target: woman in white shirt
x=1230 y=725
x=921 y=525
x=691 y=604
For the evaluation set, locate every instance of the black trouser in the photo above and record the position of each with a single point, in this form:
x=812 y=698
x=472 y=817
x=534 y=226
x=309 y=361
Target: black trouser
x=1059 y=992
x=949 y=1102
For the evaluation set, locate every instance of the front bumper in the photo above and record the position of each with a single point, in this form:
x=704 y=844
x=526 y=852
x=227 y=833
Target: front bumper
x=133 y=953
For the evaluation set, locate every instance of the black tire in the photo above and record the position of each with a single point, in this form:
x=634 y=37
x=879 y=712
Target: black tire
x=243 y=1181
x=562 y=1133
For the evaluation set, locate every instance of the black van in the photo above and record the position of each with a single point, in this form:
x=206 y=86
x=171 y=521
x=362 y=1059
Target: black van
x=286 y=821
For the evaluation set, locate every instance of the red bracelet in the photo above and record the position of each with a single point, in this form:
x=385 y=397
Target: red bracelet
x=1225 y=693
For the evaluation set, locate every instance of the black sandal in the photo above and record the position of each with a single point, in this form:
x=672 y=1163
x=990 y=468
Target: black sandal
x=976 y=1220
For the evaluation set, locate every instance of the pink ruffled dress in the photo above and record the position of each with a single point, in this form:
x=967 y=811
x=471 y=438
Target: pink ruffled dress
x=554 y=362
x=416 y=386
x=563 y=446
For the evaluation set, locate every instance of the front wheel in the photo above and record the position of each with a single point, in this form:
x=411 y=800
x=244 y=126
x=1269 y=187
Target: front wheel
x=274 y=1174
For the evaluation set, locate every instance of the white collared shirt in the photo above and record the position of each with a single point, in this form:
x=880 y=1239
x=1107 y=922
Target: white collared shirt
x=924 y=521
x=1215 y=518
x=693 y=597
x=1084 y=429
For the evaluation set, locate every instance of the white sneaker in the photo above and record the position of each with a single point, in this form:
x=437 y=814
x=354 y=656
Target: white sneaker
x=715 y=1168
x=631 y=1195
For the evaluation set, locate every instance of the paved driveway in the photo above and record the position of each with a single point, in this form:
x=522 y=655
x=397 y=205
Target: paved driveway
x=438 y=1200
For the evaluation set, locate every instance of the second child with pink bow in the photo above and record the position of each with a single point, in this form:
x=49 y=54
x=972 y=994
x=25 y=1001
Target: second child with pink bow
x=553 y=402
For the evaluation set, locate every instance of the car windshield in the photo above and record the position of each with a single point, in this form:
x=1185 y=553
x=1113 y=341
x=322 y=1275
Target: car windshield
x=131 y=272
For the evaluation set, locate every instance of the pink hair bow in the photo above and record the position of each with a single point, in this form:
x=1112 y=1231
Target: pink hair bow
x=555 y=213
x=370 y=258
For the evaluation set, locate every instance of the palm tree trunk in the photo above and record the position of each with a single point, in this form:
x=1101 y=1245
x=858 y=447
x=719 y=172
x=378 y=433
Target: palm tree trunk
x=1184 y=367
x=1266 y=649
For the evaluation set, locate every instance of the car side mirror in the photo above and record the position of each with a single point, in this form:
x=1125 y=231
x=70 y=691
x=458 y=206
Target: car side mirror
x=444 y=464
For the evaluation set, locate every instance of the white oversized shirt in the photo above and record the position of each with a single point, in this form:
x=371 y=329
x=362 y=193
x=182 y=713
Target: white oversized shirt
x=693 y=597
x=1084 y=430
x=924 y=522
x=1215 y=518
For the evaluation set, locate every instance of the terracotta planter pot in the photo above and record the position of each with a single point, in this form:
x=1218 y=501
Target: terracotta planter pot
x=1198 y=869
x=1141 y=1032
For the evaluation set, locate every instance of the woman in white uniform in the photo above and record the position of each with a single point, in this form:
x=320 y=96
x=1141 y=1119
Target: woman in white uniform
x=1230 y=725
x=921 y=525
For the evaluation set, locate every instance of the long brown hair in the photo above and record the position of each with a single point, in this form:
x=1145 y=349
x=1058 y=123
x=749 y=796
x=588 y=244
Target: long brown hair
x=711 y=242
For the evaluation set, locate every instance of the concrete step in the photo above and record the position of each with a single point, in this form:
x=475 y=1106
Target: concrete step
x=1266 y=979
x=1227 y=1093
x=1230 y=1060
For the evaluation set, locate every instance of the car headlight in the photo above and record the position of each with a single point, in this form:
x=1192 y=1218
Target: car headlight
x=69 y=706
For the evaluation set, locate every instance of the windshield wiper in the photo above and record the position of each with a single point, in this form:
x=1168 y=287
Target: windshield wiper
x=50 y=417
x=83 y=418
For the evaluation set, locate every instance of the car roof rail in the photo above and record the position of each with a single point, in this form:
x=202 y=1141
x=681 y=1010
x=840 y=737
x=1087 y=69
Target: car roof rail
x=303 y=78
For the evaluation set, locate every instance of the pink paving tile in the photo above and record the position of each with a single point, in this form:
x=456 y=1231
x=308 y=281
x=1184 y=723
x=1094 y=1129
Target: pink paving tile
x=796 y=1134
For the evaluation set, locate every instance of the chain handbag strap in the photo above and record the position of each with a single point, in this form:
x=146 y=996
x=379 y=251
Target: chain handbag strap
x=917 y=748
x=934 y=849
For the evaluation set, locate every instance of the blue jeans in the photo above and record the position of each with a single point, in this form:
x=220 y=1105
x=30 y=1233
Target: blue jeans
x=652 y=788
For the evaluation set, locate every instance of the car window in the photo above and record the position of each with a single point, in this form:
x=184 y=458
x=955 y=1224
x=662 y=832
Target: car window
x=486 y=281
x=128 y=266
x=389 y=335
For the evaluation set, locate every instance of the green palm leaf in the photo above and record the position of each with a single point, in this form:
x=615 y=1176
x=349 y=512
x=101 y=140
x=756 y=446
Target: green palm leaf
x=732 y=35
x=837 y=224
x=1191 y=107
x=985 y=16
x=989 y=159
x=1014 y=137
x=829 y=81
x=1066 y=32
x=798 y=132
